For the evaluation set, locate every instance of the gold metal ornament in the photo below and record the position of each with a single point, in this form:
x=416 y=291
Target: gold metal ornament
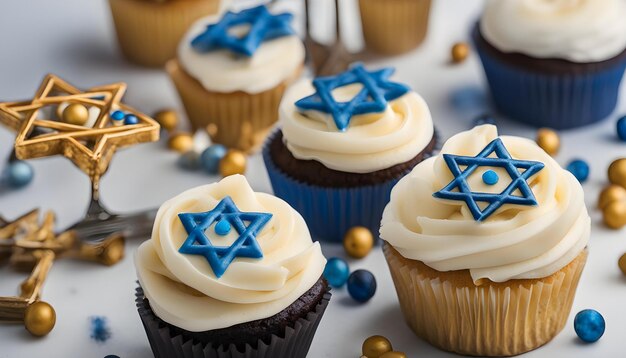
x=622 y=263
x=459 y=52
x=180 y=142
x=617 y=172
x=614 y=215
x=167 y=119
x=358 y=242
x=75 y=114
x=39 y=318
x=234 y=162
x=610 y=194
x=548 y=140
x=376 y=346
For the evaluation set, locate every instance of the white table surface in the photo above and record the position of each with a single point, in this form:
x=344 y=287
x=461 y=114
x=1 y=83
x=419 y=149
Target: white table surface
x=74 y=39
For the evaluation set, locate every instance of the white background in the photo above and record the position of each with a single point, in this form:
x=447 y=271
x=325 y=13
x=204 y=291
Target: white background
x=74 y=39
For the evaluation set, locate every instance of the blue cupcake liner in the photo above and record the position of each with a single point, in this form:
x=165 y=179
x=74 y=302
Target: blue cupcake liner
x=559 y=101
x=330 y=212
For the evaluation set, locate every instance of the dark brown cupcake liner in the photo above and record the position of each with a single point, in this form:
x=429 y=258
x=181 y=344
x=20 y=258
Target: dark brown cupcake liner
x=165 y=343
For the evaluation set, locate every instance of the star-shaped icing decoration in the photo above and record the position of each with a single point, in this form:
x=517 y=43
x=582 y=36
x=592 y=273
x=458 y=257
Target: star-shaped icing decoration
x=372 y=98
x=263 y=26
x=88 y=147
x=520 y=171
x=225 y=216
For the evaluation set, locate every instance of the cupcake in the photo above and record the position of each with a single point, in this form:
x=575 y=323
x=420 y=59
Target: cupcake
x=553 y=63
x=148 y=31
x=230 y=273
x=345 y=141
x=486 y=243
x=394 y=26
x=231 y=81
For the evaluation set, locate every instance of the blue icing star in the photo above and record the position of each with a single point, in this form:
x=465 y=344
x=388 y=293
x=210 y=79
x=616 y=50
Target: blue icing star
x=458 y=188
x=263 y=27
x=372 y=98
x=220 y=257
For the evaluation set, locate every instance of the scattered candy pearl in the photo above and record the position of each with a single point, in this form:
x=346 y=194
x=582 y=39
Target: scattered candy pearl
x=336 y=272
x=610 y=194
x=622 y=263
x=490 y=177
x=361 y=285
x=376 y=346
x=580 y=169
x=589 y=325
x=130 y=119
x=614 y=215
x=19 y=174
x=617 y=172
x=548 y=140
x=394 y=354
x=189 y=160
x=222 y=227
x=39 y=318
x=358 y=242
x=234 y=162
x=621 y=128
x=459 y=52
x=484 y=119
x=210 y=158
x=167 y=119
x=180 y=142
x=117 y=115
x=76 y=114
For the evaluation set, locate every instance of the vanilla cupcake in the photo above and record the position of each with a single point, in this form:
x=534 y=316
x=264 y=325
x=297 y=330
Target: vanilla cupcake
x=486 y=243
x=345 y=140
x=231 y=80
x=148 y=31
x=229 y=272
x=553 y=63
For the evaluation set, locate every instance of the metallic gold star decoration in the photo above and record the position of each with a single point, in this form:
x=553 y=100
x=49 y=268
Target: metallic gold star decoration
x=89 y=147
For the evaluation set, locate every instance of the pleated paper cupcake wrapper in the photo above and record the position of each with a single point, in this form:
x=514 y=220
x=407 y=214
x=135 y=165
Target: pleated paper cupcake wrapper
x=166 y=344
x=149 y=32
x=487 y=320
x=559 y=101
x=237 y=120
x=394 y=26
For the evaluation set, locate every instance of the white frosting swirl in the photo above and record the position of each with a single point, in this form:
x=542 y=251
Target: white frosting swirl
x=574 y=30
x=184 y=291
x=371 y=142
x=274 y=62
x=516 y=242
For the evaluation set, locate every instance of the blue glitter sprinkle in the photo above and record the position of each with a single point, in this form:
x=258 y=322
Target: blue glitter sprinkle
x=490 y=177
x=100 y=331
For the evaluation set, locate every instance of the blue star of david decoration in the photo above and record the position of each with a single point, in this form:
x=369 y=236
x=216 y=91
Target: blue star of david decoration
x=376 y=92
x=519 y=180
x=225 y=214
x=263 y=27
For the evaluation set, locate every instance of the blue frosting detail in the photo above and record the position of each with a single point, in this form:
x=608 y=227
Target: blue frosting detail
x=263 y=27
x=458 y=188
x=490 y=177
x=373 y=97
x=220 y=257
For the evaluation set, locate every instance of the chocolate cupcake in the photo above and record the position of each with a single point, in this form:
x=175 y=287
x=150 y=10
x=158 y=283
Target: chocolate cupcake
x=230 y=273
x=553 y=64
x=345 y=141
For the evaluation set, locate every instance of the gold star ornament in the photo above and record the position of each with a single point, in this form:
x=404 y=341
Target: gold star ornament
x=84 y=126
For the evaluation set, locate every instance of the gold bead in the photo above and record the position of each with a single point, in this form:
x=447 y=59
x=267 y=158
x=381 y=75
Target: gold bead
x=76 y=114
x=180 y=142
x=615 y=215
x=610 y=194
x=622 y=263
x=39 y=318
x=376 y=346
x=358 y=242
x=548 y=140
x=617 y=172
x=393 y=354
x=459 y=52
x=167 y=119
x=234 y=162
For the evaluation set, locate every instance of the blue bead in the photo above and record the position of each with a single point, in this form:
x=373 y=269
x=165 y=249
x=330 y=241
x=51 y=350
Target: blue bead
x=361 y=285
x=210 y=158
x=484 y=119
x=580 y=169
x=130 y=119
x=118 y=115
x=490 y=177
x=189 y=160
x=19 y=174
x=621 y=128
x=336 y=272
x=589 y=325
x=222 y=227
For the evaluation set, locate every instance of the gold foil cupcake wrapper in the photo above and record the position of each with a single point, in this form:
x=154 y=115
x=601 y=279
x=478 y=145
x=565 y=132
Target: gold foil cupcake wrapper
x=493 y=319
